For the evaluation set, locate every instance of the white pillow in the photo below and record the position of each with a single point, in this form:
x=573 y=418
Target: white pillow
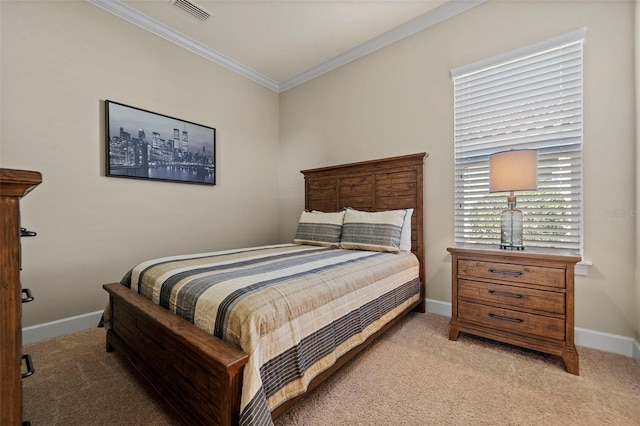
x=405 y=238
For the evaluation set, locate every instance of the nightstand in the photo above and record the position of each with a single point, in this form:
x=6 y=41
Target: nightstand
x=524 y=298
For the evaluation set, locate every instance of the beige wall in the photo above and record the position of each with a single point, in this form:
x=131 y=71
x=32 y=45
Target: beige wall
x=60 y=61
x=399 y=101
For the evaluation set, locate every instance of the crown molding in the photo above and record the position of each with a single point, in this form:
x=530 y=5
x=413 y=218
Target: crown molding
x=141 y=20
x=422 y=22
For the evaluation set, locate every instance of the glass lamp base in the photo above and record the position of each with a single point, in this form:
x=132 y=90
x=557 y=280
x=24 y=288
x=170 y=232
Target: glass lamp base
x=511 y=227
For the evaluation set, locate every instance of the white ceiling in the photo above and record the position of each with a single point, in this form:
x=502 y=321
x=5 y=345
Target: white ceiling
x=283 y=43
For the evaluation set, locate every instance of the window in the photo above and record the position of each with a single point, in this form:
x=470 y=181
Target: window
x=527 y=99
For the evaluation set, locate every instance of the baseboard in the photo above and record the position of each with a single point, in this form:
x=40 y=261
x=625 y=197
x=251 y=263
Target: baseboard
x=583 y=337
x=49 y=330
x=438 y=307
x=605 y=341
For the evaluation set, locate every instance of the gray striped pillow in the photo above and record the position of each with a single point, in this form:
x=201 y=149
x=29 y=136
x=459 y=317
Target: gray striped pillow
x=320 y=229
x=375 y=231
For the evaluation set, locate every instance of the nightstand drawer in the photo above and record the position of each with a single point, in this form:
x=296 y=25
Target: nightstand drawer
x=539 y=275
x=517 y=297
x=507 y=319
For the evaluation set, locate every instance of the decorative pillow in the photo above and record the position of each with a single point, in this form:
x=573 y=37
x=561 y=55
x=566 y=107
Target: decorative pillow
x=375 y=231
x=405 y=238
x=319 y=229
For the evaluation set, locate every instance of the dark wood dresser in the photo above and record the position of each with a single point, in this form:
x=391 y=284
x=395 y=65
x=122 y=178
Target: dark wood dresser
x=14 y=184
x=524 y=298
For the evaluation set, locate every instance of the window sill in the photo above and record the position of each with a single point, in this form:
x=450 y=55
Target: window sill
x=582 y=268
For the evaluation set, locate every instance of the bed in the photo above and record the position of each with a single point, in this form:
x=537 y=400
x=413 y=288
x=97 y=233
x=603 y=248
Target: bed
x=154 y=323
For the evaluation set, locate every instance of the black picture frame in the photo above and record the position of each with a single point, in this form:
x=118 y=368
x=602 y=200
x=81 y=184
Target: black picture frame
x=146 y=145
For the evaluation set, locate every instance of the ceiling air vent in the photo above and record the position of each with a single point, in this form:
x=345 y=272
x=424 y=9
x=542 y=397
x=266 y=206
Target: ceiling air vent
x=192 y=9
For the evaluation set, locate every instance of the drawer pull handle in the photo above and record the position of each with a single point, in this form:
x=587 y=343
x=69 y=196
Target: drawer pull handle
x=29 y=297
x=24 y=232
x=500 y=293
x=30 y=369
x=500 y=317
x=498 y=271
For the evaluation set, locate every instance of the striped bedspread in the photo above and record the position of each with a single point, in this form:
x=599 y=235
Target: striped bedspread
x=294 y=309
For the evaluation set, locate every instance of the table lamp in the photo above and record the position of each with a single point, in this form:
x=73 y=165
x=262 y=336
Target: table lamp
x=515 y=170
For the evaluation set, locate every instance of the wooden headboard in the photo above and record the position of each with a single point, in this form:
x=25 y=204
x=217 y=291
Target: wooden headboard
x=376 y=185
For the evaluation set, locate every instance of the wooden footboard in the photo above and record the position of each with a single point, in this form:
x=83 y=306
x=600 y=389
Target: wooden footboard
x=198 y=375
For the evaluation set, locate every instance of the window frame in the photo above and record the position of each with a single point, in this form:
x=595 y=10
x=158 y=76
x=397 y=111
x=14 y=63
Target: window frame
x=549 y=163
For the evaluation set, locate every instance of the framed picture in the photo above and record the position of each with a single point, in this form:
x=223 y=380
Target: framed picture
x=146 y=145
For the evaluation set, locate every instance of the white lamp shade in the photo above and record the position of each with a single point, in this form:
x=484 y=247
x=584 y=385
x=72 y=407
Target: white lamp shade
x=515 y=170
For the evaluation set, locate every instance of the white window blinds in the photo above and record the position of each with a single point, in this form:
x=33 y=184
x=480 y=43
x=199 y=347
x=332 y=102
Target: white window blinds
x=527 y=99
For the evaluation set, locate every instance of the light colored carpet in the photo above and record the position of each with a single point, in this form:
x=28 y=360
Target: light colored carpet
x=413 y=375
